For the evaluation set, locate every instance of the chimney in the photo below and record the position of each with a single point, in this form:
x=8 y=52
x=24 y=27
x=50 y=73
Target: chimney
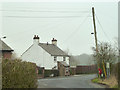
x=36 y=39
x=54 y=41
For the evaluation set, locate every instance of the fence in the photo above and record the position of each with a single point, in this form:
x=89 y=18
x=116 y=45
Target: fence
x=83 y=69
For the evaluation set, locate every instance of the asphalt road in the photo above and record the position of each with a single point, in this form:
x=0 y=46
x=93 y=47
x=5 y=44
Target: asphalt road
x=77 y=81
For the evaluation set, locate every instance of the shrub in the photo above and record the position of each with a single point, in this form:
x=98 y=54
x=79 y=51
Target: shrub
x=18 y=74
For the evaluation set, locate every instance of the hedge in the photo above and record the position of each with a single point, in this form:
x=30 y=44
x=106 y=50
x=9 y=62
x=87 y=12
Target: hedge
x=18 y=74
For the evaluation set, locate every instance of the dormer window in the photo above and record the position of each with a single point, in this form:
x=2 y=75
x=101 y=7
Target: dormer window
x=55 y=58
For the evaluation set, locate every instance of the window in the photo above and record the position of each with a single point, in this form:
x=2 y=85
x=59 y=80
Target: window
x=55 y=58
x=63 y=58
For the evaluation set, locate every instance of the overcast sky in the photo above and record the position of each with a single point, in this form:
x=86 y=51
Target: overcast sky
x=70 y=23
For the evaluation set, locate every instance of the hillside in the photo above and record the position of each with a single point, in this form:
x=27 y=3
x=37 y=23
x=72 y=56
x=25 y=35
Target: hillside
x=83 y=59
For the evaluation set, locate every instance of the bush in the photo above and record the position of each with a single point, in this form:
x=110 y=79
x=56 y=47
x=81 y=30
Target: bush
x=18 y=74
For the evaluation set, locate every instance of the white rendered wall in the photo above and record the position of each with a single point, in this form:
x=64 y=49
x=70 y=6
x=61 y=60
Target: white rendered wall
x=67 y=60
x=38 y=55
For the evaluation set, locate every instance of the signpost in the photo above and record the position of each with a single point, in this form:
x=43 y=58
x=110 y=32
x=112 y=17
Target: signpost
x=108 y=69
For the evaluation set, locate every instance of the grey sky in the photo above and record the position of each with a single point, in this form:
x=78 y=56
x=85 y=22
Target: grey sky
x=73 y=33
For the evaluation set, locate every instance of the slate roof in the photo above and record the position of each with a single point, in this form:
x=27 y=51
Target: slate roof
x=4 y=46
x=52 y=49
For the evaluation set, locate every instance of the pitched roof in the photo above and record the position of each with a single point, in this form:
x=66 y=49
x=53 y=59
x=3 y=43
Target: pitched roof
x=52 y=49
x=4 y=46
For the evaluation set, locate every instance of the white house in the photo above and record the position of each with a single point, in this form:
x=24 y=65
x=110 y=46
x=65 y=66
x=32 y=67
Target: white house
x=44 y=54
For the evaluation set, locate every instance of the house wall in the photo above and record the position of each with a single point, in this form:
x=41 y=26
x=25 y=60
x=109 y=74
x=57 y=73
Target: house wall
x=5 y=55
x=38 y=55
x=60 y=58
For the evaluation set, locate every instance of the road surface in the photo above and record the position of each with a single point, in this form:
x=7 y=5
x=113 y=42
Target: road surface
x=77 y=81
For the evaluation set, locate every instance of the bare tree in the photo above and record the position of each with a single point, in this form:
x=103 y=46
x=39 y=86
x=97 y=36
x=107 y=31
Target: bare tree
x=106 y=53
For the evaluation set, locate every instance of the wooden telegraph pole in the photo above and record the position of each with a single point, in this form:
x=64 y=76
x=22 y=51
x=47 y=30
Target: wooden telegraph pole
x=93 y=13
x=95 y=34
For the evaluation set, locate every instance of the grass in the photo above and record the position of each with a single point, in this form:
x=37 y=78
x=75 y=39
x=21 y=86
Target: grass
x=95 y=80
x=116 y=86
x=111 y=82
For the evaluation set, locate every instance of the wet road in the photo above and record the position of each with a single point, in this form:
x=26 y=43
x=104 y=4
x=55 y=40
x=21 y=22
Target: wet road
x=77 y=81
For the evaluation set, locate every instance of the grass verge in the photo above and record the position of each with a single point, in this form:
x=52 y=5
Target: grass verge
x=95 y=80
x=111 y=82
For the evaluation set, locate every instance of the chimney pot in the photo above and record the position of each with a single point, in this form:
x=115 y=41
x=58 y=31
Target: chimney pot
x=36 y=39
x=54 y=41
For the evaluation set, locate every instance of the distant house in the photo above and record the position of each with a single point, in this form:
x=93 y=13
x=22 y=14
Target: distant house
x=5 y=50
x=44 y=54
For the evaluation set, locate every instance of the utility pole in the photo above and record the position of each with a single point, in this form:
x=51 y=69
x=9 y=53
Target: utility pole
x=95 y=34
x=93 y=13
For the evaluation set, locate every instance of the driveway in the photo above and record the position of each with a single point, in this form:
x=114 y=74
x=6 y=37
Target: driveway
x=77 y=81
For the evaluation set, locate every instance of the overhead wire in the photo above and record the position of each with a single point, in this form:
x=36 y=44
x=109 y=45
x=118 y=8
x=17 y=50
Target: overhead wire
x=19 y=33
x=73 y=33
x=24 y=32
x=58 y=11
x=102 y=29
x=51 y=17
x=44 y=17
x=45 y=11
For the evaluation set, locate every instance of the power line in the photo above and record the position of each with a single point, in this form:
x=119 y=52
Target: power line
x=42 y=17
x=45 y=26
x=102 y=28
x=24 y=32
x=73 y=33
x=45 y=11
x=45 y=17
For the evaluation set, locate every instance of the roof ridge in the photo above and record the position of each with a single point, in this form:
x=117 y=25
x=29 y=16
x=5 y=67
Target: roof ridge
x=53 y=49
x=46 y=43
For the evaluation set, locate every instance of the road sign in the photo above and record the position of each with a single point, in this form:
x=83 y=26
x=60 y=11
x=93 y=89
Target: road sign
x=107 y=65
